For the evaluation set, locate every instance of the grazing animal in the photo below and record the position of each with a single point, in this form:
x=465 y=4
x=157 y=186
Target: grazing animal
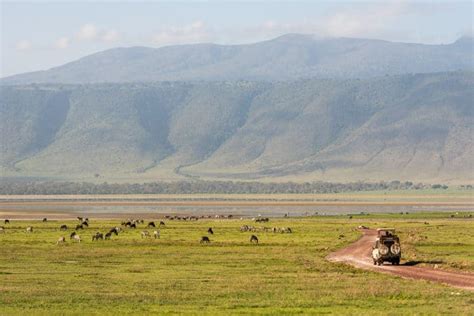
x=151 y=224
x=87 y=219
x=145 y=233
x=156 y=234
x=254 y=239
x=80 y=219
x=108 y=235
x=114 y=230
x=85 y=223
x=128 y=224
x=29 y=229
x=79 y=227
x=45 y=220
x=61 y=240
x=7 y=221
x=205 y=239
x=133 y=225
x=210 y=231
x=97 y=236
x=162 y=223
x=76 y=238
x=63 y=227
x=72 y=235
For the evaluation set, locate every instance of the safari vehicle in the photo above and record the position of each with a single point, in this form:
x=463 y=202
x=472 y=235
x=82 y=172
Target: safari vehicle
x=386 y=247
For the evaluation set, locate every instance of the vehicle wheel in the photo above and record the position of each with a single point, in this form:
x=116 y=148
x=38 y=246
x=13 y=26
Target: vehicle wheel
x=375 y=262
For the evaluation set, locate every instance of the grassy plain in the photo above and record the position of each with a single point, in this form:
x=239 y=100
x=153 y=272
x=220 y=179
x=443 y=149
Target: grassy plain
x=284 y=274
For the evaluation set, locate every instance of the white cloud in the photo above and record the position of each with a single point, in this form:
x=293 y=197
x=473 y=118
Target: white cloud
x=370 y=21
x=62 y=43
x=110 y=36
x=193 y=33
x=87 y=32
x=374 y=20
x=23 y=45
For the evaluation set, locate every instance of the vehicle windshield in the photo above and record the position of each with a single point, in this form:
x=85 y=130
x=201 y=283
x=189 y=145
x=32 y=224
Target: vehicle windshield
x=386 y=232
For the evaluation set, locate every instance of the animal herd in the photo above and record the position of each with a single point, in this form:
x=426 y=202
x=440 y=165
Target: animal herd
x=247 y=228
x=134 y=223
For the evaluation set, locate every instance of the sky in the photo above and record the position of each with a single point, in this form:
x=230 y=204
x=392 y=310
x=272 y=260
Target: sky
x=38 y=35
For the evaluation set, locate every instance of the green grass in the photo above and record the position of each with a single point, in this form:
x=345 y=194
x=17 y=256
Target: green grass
x=284 y=274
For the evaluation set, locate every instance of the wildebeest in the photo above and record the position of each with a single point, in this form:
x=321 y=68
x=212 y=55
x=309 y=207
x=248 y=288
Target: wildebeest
x=61 y=240
x=80 y=219
x=210 y=231
x=85 y=223
x=254 y=239
x=76 y=238
x=63 y=227
x=79 y=226
x=262 y=219
x=156 y=234
x=145 y=233
x=205 y=239
x=7 y=221
x=244 y=228
x=29 y=229
x=72 y=235
x=108 y=235
x=45 y=220
x=97 y=236
x=282 y=230
x=133 y=225
x=162 y=223
x=151 y=224
x=114 y=230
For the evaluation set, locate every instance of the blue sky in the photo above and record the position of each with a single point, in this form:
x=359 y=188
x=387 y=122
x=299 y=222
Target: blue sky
x=39 y=34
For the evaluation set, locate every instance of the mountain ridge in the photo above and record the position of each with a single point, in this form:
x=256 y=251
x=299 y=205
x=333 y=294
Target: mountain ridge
x=288 y=57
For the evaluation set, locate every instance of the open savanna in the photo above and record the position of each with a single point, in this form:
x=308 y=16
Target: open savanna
x=283 y=274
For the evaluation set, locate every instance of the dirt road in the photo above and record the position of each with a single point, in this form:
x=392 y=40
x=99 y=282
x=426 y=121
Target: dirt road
x=358 y=254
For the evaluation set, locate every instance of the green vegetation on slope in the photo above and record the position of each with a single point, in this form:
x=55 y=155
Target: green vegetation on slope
x=284 y=274
x=410 y=127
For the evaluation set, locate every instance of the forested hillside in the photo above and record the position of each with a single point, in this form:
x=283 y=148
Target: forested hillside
x=407 y=127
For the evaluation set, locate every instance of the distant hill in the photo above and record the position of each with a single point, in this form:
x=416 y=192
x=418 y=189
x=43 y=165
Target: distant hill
x=407 y=127
x=289 y=57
